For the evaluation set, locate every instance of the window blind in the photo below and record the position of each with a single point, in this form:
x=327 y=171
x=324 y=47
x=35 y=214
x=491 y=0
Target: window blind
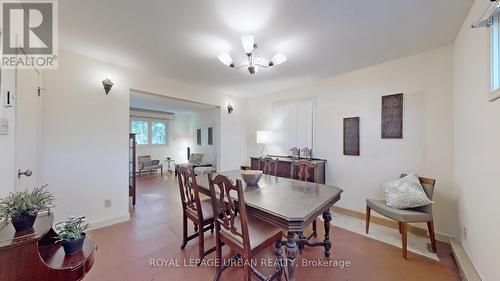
x=292 y=125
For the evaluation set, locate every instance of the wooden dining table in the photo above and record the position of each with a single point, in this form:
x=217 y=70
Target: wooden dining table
x=289 y=204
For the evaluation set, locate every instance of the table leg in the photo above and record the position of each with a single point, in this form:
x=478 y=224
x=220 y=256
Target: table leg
x=302 y=238
x=291 y=252
x=327 y=216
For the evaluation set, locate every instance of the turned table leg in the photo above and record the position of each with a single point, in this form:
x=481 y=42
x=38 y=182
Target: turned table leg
x=291 y=252
x=302 y=238
x=327 y=216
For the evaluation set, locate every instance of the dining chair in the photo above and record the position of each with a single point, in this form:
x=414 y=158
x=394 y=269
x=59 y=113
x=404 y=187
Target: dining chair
x=403 y=217
x=244 y=234
x=200 y=212
x=301 y=170
x=269 y=166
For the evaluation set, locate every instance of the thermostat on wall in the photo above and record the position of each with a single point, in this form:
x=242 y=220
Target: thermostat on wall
x=8 y=98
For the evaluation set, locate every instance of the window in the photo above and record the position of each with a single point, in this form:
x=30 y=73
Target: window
x=495 y=57
x=293 y=125
x=140 y=129
x=149 y=131
x=158 y=133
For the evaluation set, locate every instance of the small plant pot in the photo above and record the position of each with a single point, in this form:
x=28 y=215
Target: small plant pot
x=23 y=222
x=73 y=246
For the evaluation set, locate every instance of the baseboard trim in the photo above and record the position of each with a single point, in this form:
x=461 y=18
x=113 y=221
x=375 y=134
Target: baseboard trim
x=390 y=223
x=467 y=270
x=108 y=222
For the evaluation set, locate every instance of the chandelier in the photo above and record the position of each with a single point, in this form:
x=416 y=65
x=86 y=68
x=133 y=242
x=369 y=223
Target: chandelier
x=253 y=61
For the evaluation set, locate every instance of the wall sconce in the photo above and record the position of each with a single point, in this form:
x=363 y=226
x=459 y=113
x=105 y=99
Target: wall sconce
x=107 y=84
x=229 y=108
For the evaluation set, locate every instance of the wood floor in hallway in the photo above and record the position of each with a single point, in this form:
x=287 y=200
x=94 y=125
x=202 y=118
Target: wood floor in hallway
x=147 y=248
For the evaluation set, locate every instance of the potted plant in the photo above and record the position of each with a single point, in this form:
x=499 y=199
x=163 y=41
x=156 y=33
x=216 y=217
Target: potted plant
x=71 y=233
x=22 y=207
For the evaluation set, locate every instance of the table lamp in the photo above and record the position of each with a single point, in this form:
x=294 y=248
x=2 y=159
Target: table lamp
x=264 y=137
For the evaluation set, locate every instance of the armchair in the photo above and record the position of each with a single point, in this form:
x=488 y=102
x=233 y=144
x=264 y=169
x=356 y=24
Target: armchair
x=148 y=165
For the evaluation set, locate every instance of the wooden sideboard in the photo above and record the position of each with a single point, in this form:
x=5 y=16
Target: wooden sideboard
x=34 y=255
x=285 y=166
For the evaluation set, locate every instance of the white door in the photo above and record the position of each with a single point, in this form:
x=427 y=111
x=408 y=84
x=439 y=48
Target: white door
x=28 y=128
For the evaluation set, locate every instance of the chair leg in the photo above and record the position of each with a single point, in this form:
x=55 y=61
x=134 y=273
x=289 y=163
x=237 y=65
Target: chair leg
x=404 y=239
x=218 y=252
x=432 y=235
x=247 y=274
x=184 y=231
x=201 y=245
x=314 y=229
x=399 y=227
x=368 y=212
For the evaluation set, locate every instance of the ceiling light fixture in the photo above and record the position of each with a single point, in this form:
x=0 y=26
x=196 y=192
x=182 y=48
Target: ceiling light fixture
x=253 y=60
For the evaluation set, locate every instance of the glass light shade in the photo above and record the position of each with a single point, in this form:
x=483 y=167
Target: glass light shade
x=264 y=137
x=279 y=58
x=225 y=58
x=248 y=42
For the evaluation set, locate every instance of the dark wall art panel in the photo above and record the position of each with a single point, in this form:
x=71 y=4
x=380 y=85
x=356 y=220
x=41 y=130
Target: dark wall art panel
x=351 y=136
x=198 y=137
x=392 y=116
x=210 y=136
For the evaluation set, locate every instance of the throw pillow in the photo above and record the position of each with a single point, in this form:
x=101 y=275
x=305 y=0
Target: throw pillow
x=405 y=193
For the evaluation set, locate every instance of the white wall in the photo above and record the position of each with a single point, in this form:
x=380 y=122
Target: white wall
x=7 y=142
x=203 y=120
x=477 y=153
x=85 y=133
x=427 y=146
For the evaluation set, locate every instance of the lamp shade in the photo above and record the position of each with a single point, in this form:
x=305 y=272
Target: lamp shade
x=264 y=137
x=248 y=41
x=225 y=58
x=279 y=58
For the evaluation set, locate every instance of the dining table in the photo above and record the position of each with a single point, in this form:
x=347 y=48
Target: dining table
x=289 y=204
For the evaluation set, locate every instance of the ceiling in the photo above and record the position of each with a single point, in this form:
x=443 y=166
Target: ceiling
x=147 y=101
x=181 y=39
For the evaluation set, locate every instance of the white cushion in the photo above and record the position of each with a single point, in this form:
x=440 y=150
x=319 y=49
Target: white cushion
x=405 y=193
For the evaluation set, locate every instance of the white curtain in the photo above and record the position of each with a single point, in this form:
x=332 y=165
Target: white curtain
x=292 y=125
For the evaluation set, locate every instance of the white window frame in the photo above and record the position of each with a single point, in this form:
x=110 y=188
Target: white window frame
x=495 y=57
x=150 y=130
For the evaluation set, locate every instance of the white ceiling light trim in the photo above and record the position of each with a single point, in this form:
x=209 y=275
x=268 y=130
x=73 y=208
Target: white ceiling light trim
x=253 y=61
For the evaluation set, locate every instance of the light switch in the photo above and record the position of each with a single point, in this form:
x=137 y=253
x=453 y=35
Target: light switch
x=4 y=126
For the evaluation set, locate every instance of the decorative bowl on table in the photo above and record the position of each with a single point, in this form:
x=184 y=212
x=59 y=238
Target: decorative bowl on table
x=251 y=177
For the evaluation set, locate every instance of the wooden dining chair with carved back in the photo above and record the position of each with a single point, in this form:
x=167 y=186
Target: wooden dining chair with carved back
x=243 y=233
x=304 y=170
x=200 y=212
x=269 y=166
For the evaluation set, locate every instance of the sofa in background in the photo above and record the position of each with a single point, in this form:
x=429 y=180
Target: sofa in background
x=195 y=161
